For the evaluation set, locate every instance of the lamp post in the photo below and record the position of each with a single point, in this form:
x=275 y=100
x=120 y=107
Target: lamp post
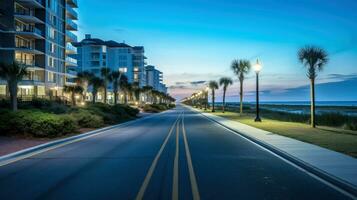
x=257 y=67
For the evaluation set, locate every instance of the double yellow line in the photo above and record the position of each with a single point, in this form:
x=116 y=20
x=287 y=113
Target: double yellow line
x=175 y=180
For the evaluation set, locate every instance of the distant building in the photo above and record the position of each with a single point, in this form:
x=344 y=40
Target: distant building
x=37 y=33
x=94 y=54
x=154 y=79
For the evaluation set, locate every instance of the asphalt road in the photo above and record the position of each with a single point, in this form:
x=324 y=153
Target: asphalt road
x=178 y=154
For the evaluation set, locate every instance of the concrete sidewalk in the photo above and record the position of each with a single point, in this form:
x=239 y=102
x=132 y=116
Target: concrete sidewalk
x=331 y=164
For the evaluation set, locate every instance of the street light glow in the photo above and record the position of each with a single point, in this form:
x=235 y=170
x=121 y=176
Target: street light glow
x=257 y=66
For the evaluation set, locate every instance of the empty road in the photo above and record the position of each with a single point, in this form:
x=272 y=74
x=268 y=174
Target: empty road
x=178 y=154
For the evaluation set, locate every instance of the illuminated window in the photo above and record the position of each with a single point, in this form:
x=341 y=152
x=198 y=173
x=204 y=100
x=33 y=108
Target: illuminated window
x=123 y=69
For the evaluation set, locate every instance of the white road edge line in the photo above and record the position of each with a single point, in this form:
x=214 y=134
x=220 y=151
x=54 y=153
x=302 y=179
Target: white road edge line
x=285 y=160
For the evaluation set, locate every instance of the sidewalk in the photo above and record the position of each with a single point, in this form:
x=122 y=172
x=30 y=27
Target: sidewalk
x=329 y=163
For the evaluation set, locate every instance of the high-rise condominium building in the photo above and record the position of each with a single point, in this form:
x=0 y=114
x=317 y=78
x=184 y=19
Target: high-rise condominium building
x=94 y=54
x=38 y=33
x=154 y=79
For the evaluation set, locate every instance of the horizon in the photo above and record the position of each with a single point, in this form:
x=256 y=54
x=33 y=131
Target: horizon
x=268 y=30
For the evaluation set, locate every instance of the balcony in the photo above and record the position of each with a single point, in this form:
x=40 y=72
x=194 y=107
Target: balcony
x=70 y=37
x=29 y=32
x=27 y=62
x=72 y=3
x=70 y=49
x=27 y=16
x=71 y=13
x=71 y=61
x=31 y=3
x=70 y=25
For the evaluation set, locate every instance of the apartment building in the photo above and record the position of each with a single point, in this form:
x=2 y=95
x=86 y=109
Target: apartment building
x=154 y=78
x=94 y=54
x=38 y=33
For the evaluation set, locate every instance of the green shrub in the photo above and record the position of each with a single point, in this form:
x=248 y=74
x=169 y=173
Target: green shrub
x=85 y=119
x=36 y=123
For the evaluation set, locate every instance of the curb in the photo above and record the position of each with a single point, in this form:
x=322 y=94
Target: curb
x=25 y=153
x=344 y=185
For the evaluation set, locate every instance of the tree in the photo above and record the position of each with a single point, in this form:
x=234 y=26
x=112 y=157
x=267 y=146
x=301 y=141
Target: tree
x=148 y=91
x=241 y=68
x=314 y=59
x=125 y=87
x=96 y=83
x=114 y=77
x=73 y=90
x=105 y=73
x=83 y=79
x=225 y=81
x=13 y=73
x=213 y=85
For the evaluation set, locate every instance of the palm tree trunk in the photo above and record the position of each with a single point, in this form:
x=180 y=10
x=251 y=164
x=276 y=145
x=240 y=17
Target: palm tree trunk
x=115 y=97
x=213 y=110
x=94 y=95
x=105 y=93
x=224 y=100
x=241 y=97
x=73 y=99
x=13 y=95
x=313 y=121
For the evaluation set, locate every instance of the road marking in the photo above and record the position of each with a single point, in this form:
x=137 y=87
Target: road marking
x=194 y=187
x=175 y=181
x=149 y=174
x=352 y=196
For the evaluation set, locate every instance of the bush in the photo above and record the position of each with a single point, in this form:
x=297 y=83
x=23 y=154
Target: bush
x=36 y=123
x=155 y=108
x=85 y=119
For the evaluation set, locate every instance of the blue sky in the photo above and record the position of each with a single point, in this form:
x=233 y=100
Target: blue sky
x=193 y=41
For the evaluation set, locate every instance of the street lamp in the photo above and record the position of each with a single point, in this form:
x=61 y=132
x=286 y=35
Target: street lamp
x=257 y=67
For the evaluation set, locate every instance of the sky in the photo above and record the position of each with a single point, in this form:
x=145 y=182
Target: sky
x=195 y=41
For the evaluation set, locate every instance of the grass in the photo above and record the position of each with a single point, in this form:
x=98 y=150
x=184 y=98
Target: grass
x=344 y=141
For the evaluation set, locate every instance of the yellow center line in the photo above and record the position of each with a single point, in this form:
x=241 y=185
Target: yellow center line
x=194 y=187
x=175 y=185
x=148 y=176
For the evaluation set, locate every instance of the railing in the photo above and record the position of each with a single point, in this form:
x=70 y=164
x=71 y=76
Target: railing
x=70 y=47
x=71 y=35
x=30 y=29
x=28 y=62
x=71 y=12
x=72 y=24
x=71 y=60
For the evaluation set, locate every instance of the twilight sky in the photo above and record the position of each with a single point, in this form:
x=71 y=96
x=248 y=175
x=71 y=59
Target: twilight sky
x=193 y=41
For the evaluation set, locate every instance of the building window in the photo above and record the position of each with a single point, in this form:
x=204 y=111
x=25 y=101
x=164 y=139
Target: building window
x=123 y=69
x=51 y=33
x=51 y=62
x=51 y=77
x=52 y=47
x=2 y=89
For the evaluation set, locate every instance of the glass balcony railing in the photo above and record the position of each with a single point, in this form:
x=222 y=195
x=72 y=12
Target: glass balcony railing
x=70 y=37
x=29 y=29
x=71 y=49
x=27 y=62
x=70 y=25
x=71 y=12
x=70 y=60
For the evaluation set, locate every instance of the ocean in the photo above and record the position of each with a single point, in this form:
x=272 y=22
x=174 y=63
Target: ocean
x=300 y=103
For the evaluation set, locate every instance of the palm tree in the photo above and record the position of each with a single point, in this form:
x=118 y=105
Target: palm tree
x=96 y=83
x=314 y=59
x=73 y=90
x=213 y=85
x=148 y=91
x=13 y=73
x=225 y=81
x=83 y=79
x=125 y=87
x=114 y=77
x=241 y=68
x=105 y=73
